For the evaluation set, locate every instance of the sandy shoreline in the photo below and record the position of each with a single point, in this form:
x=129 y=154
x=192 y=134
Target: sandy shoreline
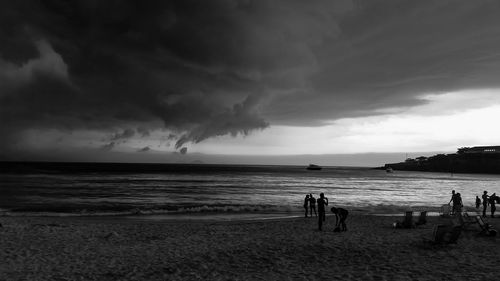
x=37 y=248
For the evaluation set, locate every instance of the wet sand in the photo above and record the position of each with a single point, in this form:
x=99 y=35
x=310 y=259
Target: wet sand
x=38 y=248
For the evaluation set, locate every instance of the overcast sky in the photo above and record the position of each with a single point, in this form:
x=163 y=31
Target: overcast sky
x=89 y=78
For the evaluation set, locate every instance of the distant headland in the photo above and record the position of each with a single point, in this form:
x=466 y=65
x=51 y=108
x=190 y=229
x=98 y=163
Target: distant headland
x=477 y=159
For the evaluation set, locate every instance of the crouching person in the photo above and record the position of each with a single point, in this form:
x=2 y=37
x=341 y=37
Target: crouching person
x=340 y=217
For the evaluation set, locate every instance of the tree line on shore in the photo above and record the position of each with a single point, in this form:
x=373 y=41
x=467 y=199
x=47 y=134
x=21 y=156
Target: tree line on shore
x=488 y=163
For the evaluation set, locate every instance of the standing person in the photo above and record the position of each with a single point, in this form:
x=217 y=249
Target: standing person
x=452 y=201
x=485 y=202
x=478 y=202
x=340 y=217
x=493 y=199
x=306 y=204
x=312 y=205
x=457 y=204
x=322 y=203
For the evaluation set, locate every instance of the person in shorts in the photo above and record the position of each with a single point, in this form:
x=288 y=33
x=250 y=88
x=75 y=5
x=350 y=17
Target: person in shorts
x=340 y=217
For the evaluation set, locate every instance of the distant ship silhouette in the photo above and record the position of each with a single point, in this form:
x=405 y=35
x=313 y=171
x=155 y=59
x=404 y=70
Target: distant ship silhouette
x=314 y=167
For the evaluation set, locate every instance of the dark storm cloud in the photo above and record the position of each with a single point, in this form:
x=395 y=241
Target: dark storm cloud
x=108 y=146
x=126 y=134
x=144 y=149
x=212 y=68
x=143 y=132
x=391 y=52
x=105 y=65
x=240 y=119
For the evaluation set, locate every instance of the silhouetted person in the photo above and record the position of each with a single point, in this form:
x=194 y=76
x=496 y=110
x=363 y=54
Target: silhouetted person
x=322 y=203
x=340 y=217
x=306 y=204
x=312 y=205
x=478 y=202
x=493 y=199
x=452 y=201
x=485 y=202
x=457 y=204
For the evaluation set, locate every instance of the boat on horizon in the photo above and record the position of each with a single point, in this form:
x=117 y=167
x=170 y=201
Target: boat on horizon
x=314 y=167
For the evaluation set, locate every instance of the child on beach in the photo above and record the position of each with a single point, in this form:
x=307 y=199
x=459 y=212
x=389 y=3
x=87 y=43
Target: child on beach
x=340 y=217
x=478 y=202
x=322 y=203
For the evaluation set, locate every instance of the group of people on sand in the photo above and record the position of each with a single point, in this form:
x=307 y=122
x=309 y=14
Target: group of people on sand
x=486 y=200
x=340 y=213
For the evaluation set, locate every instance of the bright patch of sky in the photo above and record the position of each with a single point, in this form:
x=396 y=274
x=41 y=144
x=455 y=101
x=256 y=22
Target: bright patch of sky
x=446 y=122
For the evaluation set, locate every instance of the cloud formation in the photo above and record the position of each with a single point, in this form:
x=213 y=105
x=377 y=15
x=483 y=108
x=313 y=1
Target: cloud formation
x=127 y=133
x=108 y=146
x=202 y=69
x=183 y=150
x=144 y=149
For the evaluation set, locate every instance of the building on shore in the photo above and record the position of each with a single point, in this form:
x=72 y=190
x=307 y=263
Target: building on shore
x=479 y=149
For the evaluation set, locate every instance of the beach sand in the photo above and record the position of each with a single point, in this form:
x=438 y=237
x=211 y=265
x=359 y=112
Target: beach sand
x=37 y=248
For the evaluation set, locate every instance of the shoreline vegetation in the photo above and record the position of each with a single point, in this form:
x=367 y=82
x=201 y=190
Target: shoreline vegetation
x=49 y=248
x=473 y=160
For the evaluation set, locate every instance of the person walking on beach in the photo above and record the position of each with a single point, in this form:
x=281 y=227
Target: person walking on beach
x=306 y=204
x=485 y=202
x=312 y=205
x=478 y=202
x=322 y=203
x=493 y=199
x=340 y=217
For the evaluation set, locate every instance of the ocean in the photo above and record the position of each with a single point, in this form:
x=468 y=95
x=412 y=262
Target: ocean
x=170 y=191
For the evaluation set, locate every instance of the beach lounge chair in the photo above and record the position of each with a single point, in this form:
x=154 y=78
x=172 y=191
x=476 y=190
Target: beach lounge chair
x=452 y=235
x=445 y=210
x=467 y=220
x=486 y=228
x=422 y=219
x=407 y=222
x=446 y=234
